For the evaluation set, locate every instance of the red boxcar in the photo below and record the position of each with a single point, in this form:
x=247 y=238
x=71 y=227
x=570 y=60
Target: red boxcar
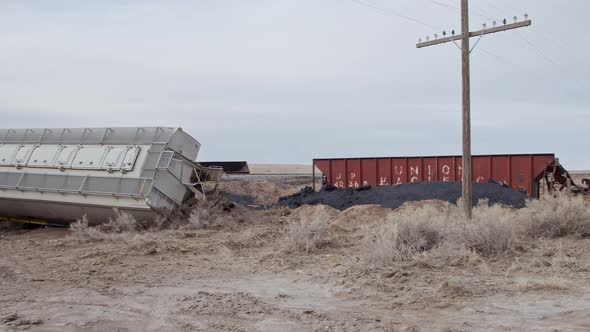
x=520 y=171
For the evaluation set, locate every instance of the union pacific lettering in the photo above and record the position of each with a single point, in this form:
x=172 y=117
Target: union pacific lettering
x=416 y=174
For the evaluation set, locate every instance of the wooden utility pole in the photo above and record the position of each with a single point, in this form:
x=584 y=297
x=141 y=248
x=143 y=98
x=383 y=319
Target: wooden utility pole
x=465 y=52
x=466 y=160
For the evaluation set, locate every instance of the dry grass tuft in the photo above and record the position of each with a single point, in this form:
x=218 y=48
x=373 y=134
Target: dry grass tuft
x=81 y=229
x=122 y=223
x=490 y=232
x=432 y=236
x=459 y=255
x=80 y=225
x=557 y=217
x=561 y=261
x=198 y=215
x=212 y=213
x=453 y=290
x=406 y=234
x=200 y=219
x=308 y=235
x=549 y=284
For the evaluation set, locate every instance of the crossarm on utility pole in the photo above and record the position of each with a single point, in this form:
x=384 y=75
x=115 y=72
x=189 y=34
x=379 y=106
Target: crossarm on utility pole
x=475 y=33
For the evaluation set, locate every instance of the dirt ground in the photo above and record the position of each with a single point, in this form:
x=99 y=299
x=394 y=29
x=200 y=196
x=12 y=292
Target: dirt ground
x=239 y=278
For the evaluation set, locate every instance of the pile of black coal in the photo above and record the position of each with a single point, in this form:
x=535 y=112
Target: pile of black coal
x=395 y=196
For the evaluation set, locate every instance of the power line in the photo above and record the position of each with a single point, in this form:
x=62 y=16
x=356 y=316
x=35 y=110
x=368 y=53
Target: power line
x=538 y=50
x=376 y=5
x=535 y=48
x=476 y=12
x=497 y=7
x=444 y=4
x=388 y=11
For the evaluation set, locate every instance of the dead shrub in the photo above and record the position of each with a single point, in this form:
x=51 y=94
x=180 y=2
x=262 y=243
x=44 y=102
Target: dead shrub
x=561 y=260
x=198 y=220
x=122 y=223
x=406 y=234
x=452 y=290
x=202 y=219
x=490 y=232
x=451 y=254
x=308 y=234
x=80 y=228
x=80 y=225
x=214 y=212
x=557 y=217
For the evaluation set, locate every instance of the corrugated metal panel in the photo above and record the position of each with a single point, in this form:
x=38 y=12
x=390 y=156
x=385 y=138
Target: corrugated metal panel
x=521 y=172
x=369 y=172
x=384 y=172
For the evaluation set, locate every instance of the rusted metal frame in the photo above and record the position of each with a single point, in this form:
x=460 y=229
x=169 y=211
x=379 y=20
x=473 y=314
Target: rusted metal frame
x=392 y=174
x=377 y=173
x=532 y=184
x=510 y=171
x=421 y=169
x=361 y=171
x=313 y=174
x=446 y=156
x=436 y=166
x=346 y=175
x=490 y=168
x=407 y=170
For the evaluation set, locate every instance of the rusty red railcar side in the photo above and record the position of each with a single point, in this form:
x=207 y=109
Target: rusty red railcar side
x=519 y=171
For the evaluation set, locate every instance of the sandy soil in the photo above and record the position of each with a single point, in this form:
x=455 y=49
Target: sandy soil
x=239 y=278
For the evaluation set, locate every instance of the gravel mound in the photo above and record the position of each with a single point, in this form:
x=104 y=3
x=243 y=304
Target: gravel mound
x=394 y=196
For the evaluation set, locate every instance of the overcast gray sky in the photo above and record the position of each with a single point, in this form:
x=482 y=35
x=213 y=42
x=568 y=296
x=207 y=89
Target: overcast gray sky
x=283 y=81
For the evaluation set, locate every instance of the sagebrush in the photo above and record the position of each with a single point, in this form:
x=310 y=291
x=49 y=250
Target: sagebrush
x=490 y=232
x=557 y=217
x=406 y=234
x=308 y=234
x=418 y=235
x=195 y=215
x=202 y=219
x=120 y=225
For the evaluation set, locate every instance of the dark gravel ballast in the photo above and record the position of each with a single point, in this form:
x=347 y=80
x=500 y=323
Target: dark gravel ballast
x=395 y=196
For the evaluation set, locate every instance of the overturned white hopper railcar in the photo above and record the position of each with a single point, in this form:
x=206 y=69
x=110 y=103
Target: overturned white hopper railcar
x=61 y=174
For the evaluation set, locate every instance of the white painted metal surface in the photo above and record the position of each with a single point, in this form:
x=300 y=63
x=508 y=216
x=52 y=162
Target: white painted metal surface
x=61 y=174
